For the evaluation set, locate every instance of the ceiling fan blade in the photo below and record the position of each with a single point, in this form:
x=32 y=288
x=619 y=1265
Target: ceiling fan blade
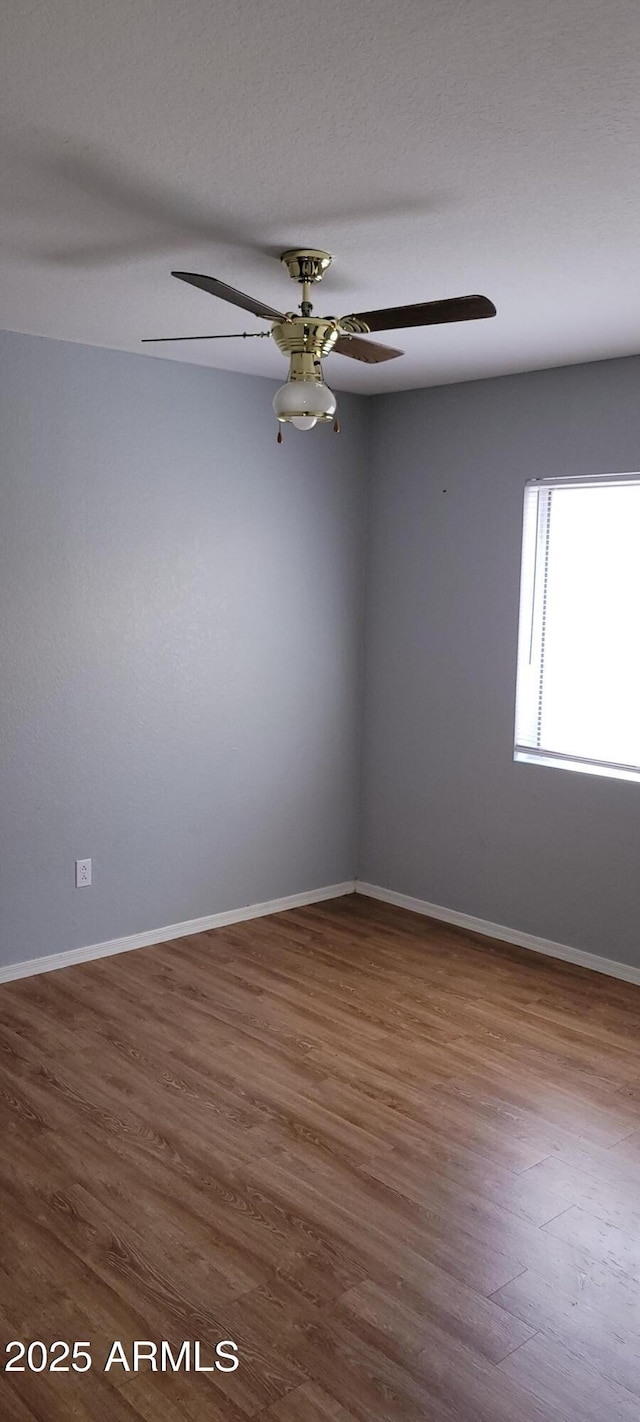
x=369 y=351
x=229 y=293
x=230 y=336
x=428 y=313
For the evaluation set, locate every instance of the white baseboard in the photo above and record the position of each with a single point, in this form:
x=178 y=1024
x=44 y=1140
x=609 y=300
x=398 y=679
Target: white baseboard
x=53 y=961
x=507 y=935
x=174 y=930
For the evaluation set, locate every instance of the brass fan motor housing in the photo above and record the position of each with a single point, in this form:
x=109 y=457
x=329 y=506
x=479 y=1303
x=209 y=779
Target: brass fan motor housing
x=304 y=336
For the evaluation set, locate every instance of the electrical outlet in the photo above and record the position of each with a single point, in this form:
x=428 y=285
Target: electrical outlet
x=83 y=873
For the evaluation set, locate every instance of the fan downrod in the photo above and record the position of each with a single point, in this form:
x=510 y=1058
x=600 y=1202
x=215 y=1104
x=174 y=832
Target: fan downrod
x=306 y=265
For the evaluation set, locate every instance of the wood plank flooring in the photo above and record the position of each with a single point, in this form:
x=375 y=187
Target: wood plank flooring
x=398 y=1165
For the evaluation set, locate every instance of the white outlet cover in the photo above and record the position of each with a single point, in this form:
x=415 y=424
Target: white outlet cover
x=83 y=873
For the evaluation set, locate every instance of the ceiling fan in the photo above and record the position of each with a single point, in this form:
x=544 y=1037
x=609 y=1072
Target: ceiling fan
x=305 y=339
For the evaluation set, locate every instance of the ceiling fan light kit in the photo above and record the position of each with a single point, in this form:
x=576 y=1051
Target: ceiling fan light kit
x=305 y=400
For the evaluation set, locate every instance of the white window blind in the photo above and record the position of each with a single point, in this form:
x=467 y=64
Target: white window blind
x=578 y=683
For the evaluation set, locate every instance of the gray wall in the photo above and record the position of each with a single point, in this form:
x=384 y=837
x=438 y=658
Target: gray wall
x=447 y=816
x=181 y=607
x=180 y=636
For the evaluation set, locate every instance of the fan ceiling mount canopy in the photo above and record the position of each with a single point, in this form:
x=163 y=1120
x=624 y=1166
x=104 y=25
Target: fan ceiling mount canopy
x=305 y=339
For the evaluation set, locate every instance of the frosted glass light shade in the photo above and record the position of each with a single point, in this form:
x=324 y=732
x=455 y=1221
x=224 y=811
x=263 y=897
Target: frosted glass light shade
x=303 y=402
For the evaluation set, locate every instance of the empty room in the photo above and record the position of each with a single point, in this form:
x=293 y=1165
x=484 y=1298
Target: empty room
x=320 y=711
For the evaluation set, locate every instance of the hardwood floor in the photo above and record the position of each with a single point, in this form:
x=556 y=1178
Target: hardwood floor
x=397 y=1165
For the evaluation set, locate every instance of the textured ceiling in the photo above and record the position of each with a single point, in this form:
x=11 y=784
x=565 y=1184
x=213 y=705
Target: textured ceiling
x=436 y=147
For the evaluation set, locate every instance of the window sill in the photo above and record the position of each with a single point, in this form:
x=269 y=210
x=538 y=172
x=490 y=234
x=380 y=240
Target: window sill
x=569 y=762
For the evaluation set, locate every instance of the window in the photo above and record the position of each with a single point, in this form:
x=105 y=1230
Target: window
x=578 y=688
